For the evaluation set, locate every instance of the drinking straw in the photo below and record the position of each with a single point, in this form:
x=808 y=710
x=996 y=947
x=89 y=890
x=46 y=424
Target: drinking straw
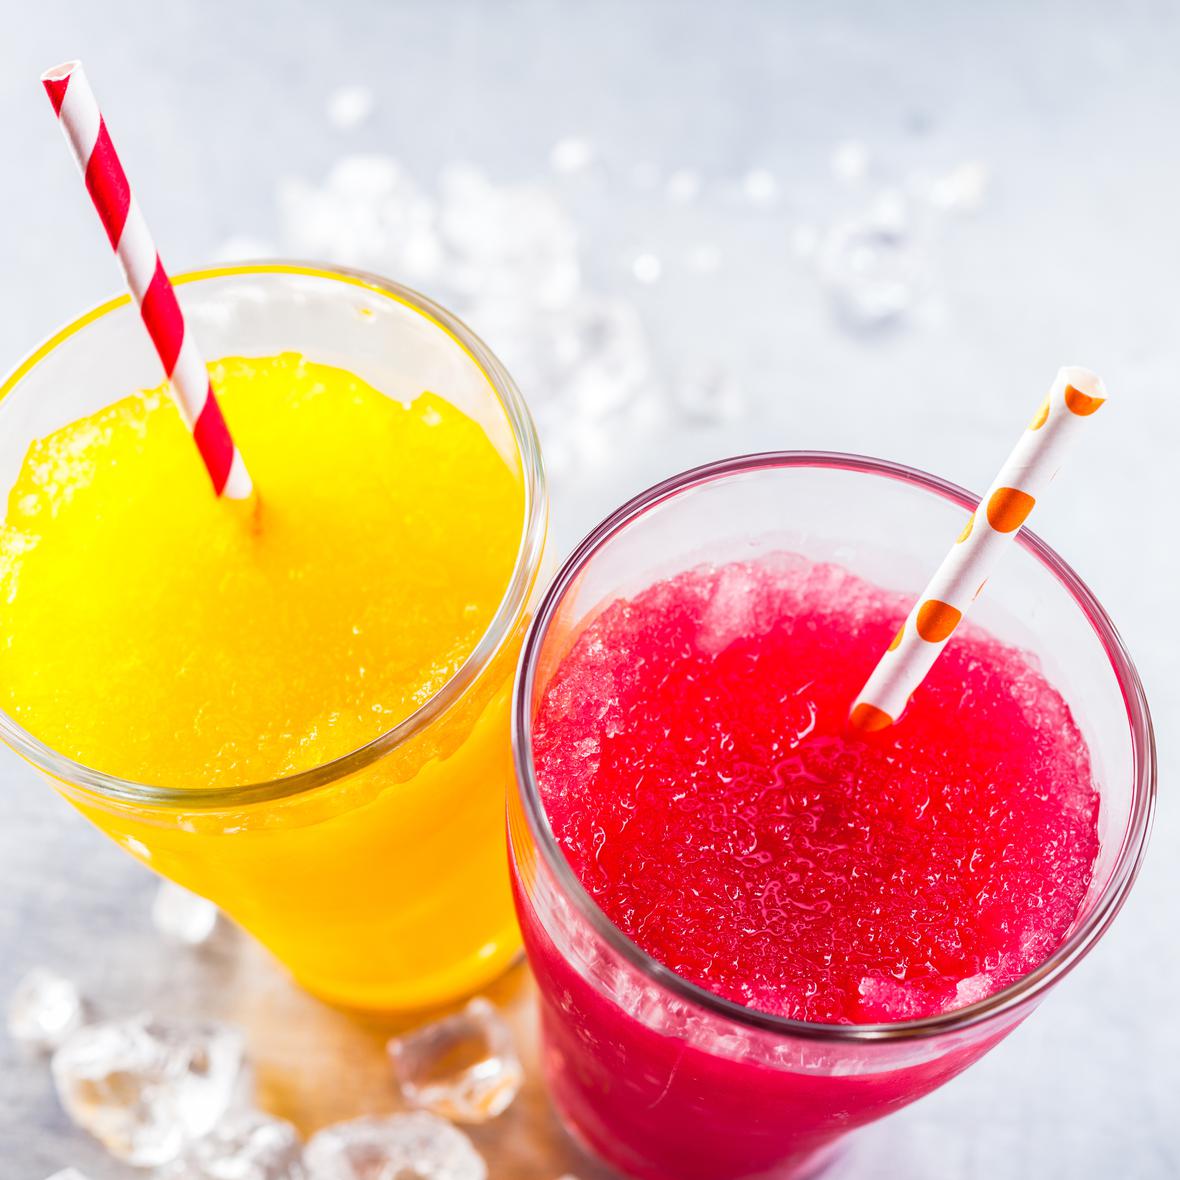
x=1074 y=396
x=86 y=132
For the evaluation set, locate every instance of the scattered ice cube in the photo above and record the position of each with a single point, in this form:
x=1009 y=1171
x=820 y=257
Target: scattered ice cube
x=245 y=1145
x=69 y=1174
x=683 y=187
x=890 y=211
x=960 y=190
x=612 y=368
x=367 y=212
x=416 y=1146
x=463 y=1067
x=513 y=241
x=45 y=1009
x=707 y=394
x=760 y=187
x=647 y=268
x=871 y=271
x=146 y=1087
x=182 y=915
x=850 y=161
x=571 y=154
x=350 y=106
x=507 y=259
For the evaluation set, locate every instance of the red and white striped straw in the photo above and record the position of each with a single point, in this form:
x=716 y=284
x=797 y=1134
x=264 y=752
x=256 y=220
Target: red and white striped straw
x=86 y=132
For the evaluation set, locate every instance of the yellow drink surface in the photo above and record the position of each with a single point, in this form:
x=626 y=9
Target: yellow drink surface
x=153 y=632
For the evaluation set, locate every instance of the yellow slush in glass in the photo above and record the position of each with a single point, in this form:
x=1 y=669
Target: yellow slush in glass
x=298 y=708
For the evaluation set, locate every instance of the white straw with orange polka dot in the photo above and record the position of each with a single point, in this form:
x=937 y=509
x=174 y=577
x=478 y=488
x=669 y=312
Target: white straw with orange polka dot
x=1074 y=396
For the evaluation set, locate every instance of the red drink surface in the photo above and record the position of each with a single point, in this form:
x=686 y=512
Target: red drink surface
x=694 y=760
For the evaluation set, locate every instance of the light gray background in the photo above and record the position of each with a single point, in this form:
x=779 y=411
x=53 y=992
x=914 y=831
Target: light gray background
x=1071 y=258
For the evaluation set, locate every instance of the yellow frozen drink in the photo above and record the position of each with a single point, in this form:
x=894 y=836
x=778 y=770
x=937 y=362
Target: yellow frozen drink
x=245 y=671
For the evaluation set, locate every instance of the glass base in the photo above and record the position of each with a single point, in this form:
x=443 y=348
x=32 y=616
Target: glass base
x=810 y=1167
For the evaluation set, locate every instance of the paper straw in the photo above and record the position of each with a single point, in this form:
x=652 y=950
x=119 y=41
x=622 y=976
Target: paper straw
x=86 y=132
x=1074 y=396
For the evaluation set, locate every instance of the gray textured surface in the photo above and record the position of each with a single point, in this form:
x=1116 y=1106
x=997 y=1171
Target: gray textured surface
x=1073 y=257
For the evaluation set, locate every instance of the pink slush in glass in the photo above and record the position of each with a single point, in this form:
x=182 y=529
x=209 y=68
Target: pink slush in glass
x=751 y=929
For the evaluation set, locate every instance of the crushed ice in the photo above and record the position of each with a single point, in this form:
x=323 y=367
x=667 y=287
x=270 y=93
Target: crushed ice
x=512 y=260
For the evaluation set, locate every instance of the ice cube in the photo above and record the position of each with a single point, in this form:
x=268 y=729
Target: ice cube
x=508 y=259
x=962 y=189
x=760 y=187
x=146 y=1087
x=367 y=212
x=890 y=212
x=463 y=1067
x=44 y=1010
x=871 y=270
x=68 y=1174
x=184 y=916
x=850 y=161
x=571 y=154
x=509 y=241
x=707 y=394
x=349 y=106
x=245 y=1145
x=646 y=268
x=416 y=1146
x=614 y=366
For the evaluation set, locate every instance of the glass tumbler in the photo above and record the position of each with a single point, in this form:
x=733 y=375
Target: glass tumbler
x=660 y=1078
x=378 y=878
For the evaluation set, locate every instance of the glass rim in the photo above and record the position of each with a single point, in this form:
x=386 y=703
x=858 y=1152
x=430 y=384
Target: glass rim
x=512 y=603
x=1066 y=956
